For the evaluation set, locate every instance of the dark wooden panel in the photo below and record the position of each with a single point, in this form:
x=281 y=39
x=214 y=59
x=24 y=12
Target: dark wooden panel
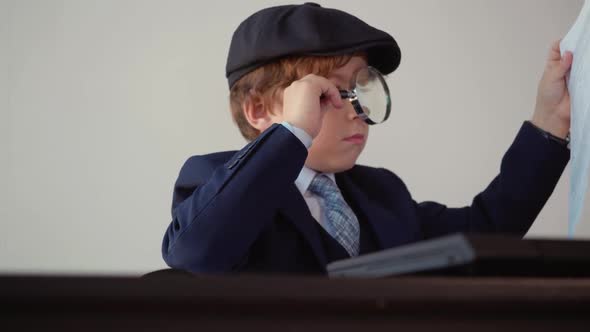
x=183 y=303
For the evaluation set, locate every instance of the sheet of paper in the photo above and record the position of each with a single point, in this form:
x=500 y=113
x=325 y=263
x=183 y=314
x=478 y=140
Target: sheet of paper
x=577 y=41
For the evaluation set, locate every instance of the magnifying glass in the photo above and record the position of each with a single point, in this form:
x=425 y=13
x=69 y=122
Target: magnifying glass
x=370 y=97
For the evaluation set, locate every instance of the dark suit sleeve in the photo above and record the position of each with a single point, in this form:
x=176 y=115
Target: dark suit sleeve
x=529 y=172
x=219 y=210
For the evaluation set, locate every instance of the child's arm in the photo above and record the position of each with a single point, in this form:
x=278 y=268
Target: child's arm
x=528 y=175
x=530 y=168
x=213 y=229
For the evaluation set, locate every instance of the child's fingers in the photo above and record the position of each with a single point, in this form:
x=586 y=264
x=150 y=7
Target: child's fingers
x=561 y=66
x=555 y=52
x=334 y=96
x=557 y=64
x=330 y=92
x=565 y=63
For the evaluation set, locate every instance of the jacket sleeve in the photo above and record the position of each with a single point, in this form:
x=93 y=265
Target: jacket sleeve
x=529 y=172
x=224 y=211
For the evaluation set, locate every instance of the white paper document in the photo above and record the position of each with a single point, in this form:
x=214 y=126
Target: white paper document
x=577 y=41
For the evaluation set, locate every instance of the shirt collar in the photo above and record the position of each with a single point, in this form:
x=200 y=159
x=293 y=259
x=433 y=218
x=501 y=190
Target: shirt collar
x=306 y=176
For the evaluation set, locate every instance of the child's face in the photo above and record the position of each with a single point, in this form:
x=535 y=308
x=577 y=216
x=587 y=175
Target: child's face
x=343 y=135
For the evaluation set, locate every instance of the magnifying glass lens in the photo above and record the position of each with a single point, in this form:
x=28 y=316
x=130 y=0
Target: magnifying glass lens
x=373 y=95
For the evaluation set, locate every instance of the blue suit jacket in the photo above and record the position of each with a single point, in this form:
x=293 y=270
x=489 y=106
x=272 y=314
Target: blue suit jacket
x=241 y=211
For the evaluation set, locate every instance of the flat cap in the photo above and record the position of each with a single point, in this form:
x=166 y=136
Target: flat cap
x=308 y=29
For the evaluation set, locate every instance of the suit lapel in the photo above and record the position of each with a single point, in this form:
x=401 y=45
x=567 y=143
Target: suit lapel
x=388 y=229
x=298 y=212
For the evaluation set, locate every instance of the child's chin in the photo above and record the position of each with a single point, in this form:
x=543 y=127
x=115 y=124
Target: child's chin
x=343 y=166
x=333 y=163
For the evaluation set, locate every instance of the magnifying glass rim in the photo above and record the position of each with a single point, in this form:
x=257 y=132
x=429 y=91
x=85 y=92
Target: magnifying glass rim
x=352 y=96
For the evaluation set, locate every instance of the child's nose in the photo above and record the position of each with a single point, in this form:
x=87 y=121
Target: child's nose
x=350 y=112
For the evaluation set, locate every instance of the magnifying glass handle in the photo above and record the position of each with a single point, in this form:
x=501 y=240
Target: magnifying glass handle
x=345 y=94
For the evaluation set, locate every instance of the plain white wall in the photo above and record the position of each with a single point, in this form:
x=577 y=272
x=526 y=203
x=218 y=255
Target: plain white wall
x=102 y=101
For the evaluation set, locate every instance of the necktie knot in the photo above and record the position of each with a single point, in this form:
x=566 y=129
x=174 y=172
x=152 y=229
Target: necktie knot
x=323 y=186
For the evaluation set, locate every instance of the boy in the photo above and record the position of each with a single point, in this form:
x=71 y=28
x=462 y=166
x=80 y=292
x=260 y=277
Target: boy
x=293 y=199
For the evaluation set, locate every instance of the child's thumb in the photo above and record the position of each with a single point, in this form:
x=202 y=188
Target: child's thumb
x=565 y=63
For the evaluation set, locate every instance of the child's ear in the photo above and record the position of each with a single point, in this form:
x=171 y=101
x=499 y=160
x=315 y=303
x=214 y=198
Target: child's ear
x=257 y=115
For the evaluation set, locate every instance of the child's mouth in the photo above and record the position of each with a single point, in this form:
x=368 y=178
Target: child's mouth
x=355 y=139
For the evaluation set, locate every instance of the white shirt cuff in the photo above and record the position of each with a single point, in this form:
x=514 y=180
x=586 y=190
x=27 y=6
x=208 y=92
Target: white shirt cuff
x=299 y=133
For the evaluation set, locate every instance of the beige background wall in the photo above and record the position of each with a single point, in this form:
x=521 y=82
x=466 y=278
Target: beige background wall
x=102 y=101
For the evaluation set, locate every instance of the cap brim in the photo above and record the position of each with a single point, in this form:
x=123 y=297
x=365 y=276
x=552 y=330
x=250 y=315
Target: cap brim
x=384 y=55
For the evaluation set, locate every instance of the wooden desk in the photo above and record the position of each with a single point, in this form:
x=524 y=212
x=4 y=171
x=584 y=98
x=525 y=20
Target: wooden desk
x=237 y=303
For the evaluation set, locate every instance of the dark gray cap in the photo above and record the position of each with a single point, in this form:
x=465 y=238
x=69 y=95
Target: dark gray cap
x=307 y=29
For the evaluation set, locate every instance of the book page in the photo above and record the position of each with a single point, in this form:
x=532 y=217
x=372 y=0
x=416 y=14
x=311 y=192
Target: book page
x=577 y=41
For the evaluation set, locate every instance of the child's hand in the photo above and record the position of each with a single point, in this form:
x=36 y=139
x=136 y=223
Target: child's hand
x=306 y=101
x=552 y=111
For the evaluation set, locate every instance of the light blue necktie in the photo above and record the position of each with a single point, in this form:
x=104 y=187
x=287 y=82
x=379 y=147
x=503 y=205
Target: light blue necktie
x=342 y=224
